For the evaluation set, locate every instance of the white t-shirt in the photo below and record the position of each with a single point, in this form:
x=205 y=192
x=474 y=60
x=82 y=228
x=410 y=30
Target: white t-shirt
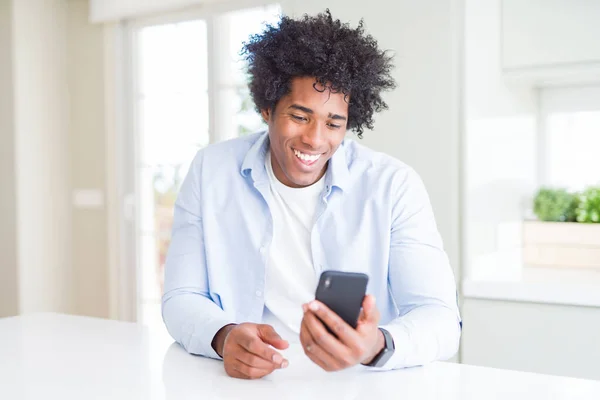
x=290 y=274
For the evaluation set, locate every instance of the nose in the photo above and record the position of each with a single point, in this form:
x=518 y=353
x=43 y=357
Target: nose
x=314 y=136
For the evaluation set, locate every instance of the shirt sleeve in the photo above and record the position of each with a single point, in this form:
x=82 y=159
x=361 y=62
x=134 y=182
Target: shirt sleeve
x=190 y=315
x=421 y=280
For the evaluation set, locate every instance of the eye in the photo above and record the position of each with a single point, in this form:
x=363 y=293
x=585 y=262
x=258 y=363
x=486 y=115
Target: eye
x=334 y=126
x=299 y=118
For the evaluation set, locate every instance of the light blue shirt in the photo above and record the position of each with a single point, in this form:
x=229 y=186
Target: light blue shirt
x=375 y=217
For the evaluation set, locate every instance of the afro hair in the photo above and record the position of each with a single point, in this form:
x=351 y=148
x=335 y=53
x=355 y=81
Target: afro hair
x=342 y=59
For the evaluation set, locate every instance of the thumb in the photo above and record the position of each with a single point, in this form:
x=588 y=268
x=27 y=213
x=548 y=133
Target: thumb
x=269 y=336
x=369 y=314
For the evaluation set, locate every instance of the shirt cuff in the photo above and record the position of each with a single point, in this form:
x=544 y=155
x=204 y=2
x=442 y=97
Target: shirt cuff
x=203 y=334
x=416 y=343
x=400 y=338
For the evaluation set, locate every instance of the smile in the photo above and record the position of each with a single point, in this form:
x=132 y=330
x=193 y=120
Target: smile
x=307 y=157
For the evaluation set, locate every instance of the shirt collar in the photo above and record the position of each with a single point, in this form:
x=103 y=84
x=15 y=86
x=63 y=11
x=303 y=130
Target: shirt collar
x=254 y=162
x=337 y=173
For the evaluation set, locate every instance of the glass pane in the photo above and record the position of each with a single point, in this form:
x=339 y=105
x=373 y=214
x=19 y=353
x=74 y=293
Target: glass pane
x=159 y=186
x=173 y=122
x=574 y=140
x=167 y=180
x=242 y=24
x=173 y=58
x=173 y=127
x=247 y=120
x=235 y=113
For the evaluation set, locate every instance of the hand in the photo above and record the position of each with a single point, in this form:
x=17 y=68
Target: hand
x=351 y=347
x=246 y=352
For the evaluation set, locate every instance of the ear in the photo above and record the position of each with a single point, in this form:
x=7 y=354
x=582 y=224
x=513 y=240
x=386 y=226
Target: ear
x=266 y=114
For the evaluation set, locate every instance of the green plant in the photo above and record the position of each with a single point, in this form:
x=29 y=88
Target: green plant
x=588 y=209
x=555 y=205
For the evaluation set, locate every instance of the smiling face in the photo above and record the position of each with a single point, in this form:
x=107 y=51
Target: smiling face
x=305 y=129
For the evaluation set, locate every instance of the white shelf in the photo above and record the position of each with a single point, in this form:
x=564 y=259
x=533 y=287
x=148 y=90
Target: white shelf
x=503 y=277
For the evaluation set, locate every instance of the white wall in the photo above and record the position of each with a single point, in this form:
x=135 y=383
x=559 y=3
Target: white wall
x=539 y=33
x=500 y=139
x=9 y=295
x=549 y=339
x=422 y=125
x=87 y=137
x=52 y=257
x=42 y=163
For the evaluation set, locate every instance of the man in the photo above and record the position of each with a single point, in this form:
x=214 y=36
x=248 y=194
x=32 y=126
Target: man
x=259 y=218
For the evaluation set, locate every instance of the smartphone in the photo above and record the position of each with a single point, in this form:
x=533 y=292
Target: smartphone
x=343 y=293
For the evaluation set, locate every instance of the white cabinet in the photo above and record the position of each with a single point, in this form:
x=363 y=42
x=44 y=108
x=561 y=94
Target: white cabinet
x=553 y=40
x=543 y=338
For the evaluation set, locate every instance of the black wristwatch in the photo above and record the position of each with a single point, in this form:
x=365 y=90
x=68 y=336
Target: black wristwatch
x=384 y=355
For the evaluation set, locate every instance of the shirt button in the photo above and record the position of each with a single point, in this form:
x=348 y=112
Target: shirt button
x=262 y=250
x=258 y=293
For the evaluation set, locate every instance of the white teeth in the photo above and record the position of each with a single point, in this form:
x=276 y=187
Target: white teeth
x=306 y=157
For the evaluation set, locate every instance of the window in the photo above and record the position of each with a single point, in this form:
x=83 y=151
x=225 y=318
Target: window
x=189 y=89
x=235 y=114
x=172 y=120
x=570 y=142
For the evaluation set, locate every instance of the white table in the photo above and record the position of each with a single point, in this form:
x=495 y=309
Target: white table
x=50 y=356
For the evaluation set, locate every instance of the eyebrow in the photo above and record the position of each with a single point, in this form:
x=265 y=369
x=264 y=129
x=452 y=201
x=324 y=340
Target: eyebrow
x=309 y=111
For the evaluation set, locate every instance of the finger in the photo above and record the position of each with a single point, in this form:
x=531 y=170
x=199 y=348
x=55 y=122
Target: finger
x=361 y=316
x=310 y=348
x=256 y=346
x=370 y=314
x=316 y=353
x=345 y=333
x=269 y=336
x=248 y=372
x=326 y=341
x=255 y=361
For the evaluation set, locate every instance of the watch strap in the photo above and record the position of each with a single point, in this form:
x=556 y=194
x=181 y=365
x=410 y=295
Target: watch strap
x=384 y=355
